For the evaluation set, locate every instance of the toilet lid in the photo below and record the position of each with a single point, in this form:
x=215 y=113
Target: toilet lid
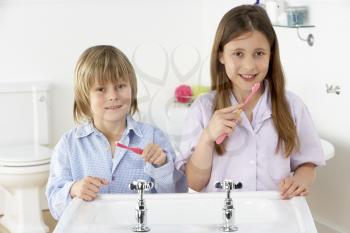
x=28 y=155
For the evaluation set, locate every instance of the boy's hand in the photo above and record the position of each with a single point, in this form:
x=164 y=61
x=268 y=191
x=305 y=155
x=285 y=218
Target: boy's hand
x=154 y=154
x=87 y=188
x=292 y=186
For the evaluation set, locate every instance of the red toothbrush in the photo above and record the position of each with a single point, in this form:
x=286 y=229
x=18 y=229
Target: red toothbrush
x=133 y=149
x=255 y=88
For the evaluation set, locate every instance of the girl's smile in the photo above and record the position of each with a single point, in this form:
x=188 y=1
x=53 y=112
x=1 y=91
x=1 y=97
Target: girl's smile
x=248 y=77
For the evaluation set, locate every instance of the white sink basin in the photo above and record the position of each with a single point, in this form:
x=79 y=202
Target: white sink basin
x=256 y=212
x=328 y=148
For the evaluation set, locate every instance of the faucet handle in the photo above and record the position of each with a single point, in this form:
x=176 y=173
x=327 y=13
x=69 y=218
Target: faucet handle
x=228 y=185
x=239 y=185
x=141 y=185
x=218 y=185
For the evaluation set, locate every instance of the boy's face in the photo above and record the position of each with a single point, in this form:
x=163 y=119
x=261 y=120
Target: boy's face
x=246 y=60
x=110 y=102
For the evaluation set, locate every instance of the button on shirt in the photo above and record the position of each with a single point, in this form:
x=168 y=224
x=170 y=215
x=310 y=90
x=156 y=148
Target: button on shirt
x=84 y=151
x=250 y=155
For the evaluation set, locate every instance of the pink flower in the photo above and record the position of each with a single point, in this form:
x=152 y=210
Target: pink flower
x=183 y=93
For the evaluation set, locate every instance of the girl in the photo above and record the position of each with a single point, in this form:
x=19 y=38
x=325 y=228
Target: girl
x=86 y=161
x=272 y=143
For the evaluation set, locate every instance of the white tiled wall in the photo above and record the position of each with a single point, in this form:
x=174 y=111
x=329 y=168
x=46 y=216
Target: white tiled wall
x=169 y=43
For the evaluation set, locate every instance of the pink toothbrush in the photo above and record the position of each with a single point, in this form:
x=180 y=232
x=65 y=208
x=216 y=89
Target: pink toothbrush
x=255 y=88
x=133 y=149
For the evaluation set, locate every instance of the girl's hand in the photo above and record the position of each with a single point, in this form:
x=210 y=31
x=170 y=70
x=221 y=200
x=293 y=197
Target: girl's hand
x=154 y=154
x=292 y=186
x=224 y=121
x=87 y=188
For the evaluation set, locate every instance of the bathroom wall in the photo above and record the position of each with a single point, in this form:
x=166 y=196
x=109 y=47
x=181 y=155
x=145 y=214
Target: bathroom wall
x=169 y=43
x=308 y=70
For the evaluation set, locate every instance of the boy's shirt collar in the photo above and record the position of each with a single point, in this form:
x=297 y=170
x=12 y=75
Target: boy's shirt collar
x=88 y=128
x=84 y=129
x=131 y=124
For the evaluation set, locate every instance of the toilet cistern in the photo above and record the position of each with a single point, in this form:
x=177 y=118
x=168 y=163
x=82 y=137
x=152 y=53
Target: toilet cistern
x=24 y=157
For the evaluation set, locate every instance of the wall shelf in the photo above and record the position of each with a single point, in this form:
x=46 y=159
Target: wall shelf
x=295 y=26
x=310 y=39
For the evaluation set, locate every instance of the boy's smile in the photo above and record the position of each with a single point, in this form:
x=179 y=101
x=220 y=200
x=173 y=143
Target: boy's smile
x=113 y=107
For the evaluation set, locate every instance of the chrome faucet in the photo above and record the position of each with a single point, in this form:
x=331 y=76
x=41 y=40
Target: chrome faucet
x=141 y=210
x=228 y=210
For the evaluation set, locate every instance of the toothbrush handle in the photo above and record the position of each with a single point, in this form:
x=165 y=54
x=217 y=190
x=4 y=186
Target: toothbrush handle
x=133 y=149
x=221 y=138
x=136 y=150
x=248 y=99
x=255 y=88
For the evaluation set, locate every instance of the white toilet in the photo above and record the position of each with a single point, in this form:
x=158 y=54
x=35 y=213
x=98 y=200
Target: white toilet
x=24 y=155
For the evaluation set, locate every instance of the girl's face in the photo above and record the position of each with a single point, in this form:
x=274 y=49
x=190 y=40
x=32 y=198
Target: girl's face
x=246 y=60
x=110 y=103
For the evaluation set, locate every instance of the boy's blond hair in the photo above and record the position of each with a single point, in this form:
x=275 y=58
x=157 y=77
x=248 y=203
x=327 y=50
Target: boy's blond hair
x=101 y=64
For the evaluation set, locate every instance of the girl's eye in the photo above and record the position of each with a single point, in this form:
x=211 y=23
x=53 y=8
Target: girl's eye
x=100 y=89
x=260 y=53
x=238 y=54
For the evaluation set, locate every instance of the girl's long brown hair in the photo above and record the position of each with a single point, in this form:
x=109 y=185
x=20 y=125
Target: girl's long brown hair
x=239 y=20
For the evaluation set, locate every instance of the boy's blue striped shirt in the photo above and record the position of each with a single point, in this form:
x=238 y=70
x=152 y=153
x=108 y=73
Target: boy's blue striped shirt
x=84 y=151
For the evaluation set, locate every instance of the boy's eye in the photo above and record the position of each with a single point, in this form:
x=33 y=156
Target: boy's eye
x=120 y=86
